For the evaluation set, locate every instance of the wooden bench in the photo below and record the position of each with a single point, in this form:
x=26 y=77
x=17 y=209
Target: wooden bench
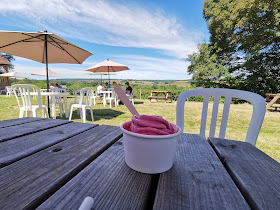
x=161 y=95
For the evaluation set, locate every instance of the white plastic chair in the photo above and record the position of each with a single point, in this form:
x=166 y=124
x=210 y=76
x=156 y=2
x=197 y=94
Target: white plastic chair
x=112 y=96
x=258 y=102
x=76 y=94
x=84 y=102
x=8 y=90
x=58 y=99
x=95 y=96
x=130 y=96
x=24 y=90
x=75 y=99
x=35 y=95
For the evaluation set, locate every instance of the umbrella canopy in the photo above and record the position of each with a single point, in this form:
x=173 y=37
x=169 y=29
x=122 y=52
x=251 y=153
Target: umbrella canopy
x=42 y=47
x=43 y=73
x=107 y=66
x=12 y=74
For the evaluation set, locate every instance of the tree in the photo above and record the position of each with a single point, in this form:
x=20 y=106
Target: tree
x=245 y=26
x=245 y=37
x=207 y=69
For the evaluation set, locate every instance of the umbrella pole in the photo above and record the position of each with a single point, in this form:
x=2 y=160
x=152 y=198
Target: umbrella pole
x=47 y=72
x=109 y=76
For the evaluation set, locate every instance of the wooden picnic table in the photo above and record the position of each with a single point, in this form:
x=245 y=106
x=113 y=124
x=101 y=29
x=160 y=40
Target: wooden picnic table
x=161 y=95
x=55 y=164
x=273 y=100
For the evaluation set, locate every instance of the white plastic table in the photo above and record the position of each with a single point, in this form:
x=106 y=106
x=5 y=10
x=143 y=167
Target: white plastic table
x=52 y=95
x=105 y=92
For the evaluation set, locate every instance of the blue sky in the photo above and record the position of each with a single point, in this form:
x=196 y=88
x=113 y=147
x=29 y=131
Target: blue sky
x=152 y=37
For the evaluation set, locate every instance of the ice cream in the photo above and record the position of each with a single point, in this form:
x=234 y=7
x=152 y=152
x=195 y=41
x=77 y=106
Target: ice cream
x=150 y=125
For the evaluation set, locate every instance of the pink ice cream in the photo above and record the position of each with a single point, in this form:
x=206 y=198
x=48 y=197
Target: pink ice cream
x=150 y=125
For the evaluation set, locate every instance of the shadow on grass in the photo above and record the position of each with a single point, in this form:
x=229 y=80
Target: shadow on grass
x=138 y=102
x=98 y=114
x=274 y=110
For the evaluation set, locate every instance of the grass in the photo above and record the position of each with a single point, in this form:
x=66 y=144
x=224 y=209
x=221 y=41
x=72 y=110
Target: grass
x=239 y=119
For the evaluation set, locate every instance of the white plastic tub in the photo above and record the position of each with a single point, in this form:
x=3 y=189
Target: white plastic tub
x=149 y=153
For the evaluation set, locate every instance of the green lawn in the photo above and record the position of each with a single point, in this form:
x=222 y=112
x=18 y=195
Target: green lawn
x=239 y=118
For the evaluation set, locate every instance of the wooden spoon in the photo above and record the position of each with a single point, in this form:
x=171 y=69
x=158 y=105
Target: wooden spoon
x=125 y=100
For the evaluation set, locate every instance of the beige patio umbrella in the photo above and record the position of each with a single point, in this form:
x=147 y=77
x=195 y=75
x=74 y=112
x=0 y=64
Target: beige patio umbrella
x=43 y=73
x=13 y=74
x=108 y=66
x=42 y=47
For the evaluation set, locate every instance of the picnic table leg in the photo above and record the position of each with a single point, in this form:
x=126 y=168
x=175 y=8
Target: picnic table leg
x=273 y=101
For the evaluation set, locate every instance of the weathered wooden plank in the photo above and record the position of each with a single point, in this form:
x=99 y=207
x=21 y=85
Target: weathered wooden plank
x=255 y=173
x=30 y=181
x=198 y=180
x=18 y=121
x=25 y=129
x=13 y=150
x=111 y=183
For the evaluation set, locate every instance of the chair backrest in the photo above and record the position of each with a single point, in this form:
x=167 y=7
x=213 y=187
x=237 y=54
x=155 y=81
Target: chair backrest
x=24 y=91
x=76 y=93
x=58 y=90
x=86 y=95
x=258 y=102
x=9 y=90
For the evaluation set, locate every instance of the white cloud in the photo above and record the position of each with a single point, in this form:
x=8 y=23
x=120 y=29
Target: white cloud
x=108 y=23
x=142 y=67
x=154 y=64
x=149 y=68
